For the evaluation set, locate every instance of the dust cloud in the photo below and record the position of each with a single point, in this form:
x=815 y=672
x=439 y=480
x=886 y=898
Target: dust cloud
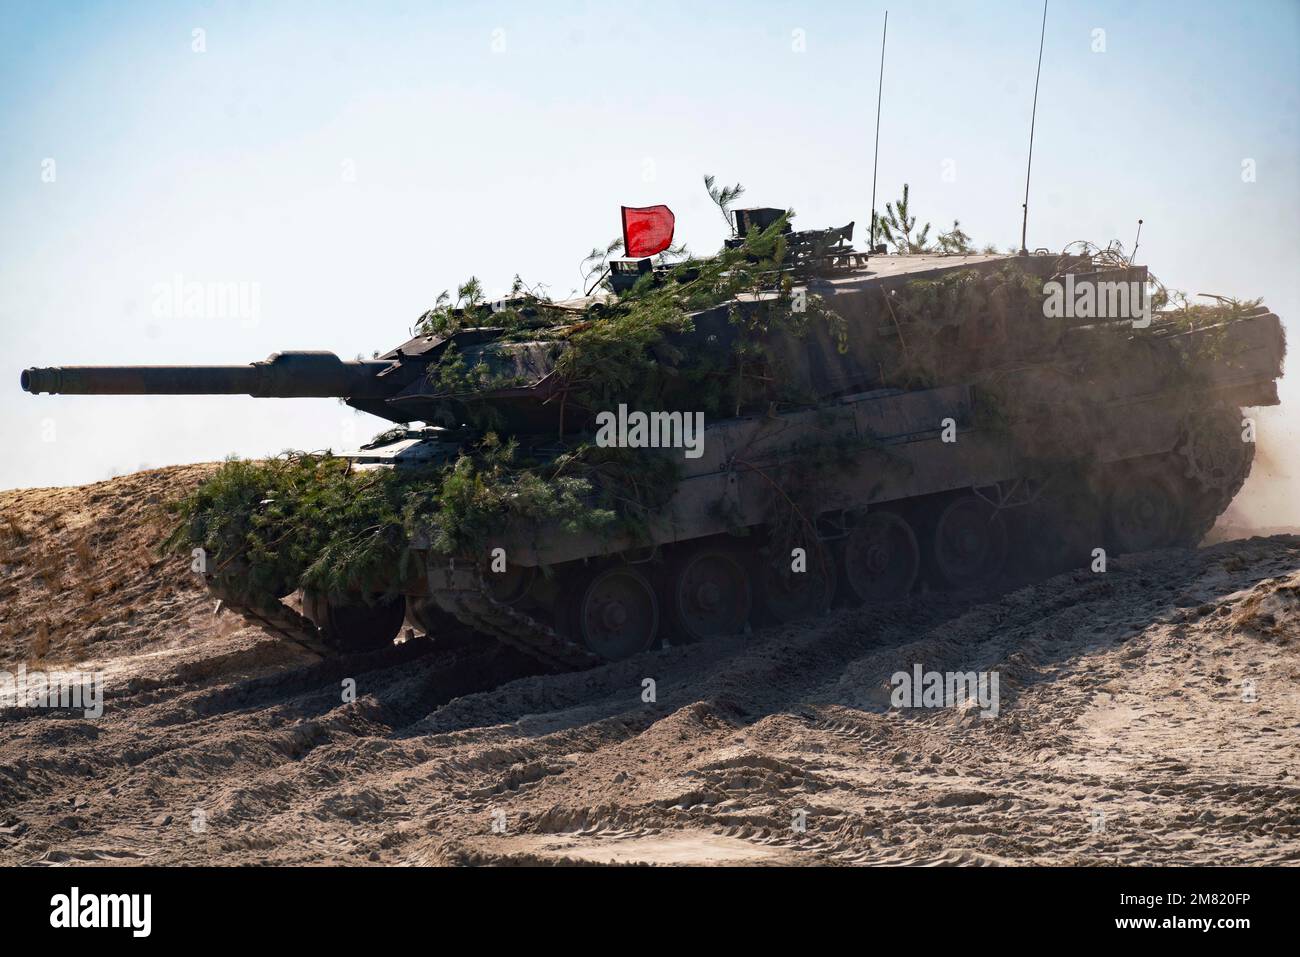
x=1267 y=503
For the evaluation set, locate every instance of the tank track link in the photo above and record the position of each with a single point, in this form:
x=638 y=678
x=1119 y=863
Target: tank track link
x=460 y=589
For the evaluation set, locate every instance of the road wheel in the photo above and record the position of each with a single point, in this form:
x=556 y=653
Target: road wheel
x=969 y=543
x=1056 y=533
x=356 y=626
x=790 y=595
x=1145 y=508
x=881 y=558
x=711 y=595
x=616 y=613
x=510 y=586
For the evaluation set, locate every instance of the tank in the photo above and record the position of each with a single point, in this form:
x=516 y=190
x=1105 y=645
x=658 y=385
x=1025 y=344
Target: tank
x=925 y=427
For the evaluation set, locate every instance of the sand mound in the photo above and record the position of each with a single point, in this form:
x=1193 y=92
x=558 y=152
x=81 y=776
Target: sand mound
x=80 y=574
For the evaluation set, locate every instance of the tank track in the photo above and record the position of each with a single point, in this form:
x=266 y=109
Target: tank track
x=1211 y=503
x=281 y=619
x=460 y=589
x=1204 y=513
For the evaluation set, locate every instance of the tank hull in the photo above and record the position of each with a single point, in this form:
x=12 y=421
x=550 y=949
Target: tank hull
x=913 y=456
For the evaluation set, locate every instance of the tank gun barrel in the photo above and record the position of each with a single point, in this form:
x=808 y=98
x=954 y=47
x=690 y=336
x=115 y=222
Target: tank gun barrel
x=281 y=375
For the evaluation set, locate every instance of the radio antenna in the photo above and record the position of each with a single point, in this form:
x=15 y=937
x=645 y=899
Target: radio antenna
x=1024 y=223
x=1136 y=240
x=875 y=164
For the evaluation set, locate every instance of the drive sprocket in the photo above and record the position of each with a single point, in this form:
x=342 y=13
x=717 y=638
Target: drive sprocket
x=1215 y=455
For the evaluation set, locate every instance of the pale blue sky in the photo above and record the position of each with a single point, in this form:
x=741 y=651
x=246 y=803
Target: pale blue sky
x=502 y=137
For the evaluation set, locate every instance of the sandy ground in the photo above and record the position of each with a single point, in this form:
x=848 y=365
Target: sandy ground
x=1128 y=731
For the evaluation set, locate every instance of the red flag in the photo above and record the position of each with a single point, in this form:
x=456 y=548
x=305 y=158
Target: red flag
x=647 y=230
